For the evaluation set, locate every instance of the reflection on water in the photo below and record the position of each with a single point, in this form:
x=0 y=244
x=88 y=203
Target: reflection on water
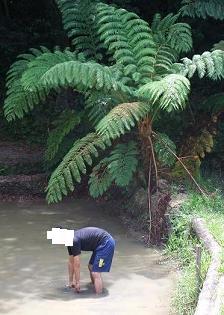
x=34 y=272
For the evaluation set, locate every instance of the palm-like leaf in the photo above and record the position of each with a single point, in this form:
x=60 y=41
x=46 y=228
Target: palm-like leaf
x=121 y=119
x=203 y=8
x=119 y=167
x=123 y=163
x=74 y=165
x=25 y=89
x=18 y=101
x=100 y=179
x=210 y=64
x=170 y=93
x=82 y=77
x=163 y=146
x=65 y=123
x=99 y=105
x=167 y=32
x=79 y=20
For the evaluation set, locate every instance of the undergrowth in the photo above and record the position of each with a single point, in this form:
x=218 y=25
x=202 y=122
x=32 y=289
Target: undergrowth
x=182 y=243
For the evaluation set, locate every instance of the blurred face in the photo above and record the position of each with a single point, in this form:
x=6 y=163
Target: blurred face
x=61 y=236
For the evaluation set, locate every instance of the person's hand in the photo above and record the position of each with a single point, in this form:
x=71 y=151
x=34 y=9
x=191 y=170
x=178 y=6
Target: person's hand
x=77 y=287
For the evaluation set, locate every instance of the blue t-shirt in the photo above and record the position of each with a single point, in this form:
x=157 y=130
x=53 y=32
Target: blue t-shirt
x=87 y=239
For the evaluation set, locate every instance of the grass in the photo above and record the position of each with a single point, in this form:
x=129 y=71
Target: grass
x=182 y=243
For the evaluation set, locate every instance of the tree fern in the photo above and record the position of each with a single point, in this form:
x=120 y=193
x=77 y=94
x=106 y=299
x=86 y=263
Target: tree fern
x=170 y=93
x=210 y=64
x=74 y=165
x=203 y=8
x=137 y=76
x=65 y=123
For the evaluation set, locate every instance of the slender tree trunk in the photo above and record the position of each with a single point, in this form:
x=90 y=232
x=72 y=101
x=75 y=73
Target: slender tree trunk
x=145 y=133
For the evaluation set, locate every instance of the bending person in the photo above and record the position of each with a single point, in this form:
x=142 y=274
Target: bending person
x=93 y=239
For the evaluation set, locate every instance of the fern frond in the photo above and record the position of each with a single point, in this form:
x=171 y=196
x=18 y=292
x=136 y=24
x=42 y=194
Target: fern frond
x=18 y=101
x=127 y=38
x=213 y=104
x=123 y=163
x=210 y=64
x=65 y=123
x=98 y=106
x=121 y=119
x=164 y=59
x=170 y=93
x=31 y=79
x=203 y=8
x=79 y=20
x=82 y=77
x=169 y=33
x=219 y=46
x=161 y=144
x=74 y=165
x=100 y=179
x=119 y=167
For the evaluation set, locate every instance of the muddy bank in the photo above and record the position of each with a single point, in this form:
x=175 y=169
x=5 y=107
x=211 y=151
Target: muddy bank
x=21 y=170
x=14 y=153
x=22 y=185
x=33 y=272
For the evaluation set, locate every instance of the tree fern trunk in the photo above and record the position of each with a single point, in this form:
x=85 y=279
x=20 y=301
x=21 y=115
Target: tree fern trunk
x=145 y=131
x=158 y=206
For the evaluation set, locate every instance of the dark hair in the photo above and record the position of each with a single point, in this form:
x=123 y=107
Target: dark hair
x=61 y=227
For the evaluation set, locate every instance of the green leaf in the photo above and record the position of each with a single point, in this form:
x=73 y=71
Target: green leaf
x=123 y=163
x=65 y=123
x=170 y=93
x=162 y=144
x=121 y=119
x=100 y=179
x=74 y=165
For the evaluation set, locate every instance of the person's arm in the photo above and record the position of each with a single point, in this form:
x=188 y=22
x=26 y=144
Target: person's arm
x=76 y=274
x=70 y=271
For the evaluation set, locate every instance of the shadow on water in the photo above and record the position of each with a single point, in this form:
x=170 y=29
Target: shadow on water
x=32 y=269
x=68 y=294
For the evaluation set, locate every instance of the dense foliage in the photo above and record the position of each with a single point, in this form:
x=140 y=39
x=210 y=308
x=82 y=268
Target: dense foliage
x=128 y=71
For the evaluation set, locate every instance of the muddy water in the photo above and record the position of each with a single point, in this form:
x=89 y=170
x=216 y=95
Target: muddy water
x=33 y=273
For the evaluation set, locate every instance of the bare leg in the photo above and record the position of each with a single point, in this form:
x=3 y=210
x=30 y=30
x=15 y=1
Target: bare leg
x=98 y=283
x=90 y=273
